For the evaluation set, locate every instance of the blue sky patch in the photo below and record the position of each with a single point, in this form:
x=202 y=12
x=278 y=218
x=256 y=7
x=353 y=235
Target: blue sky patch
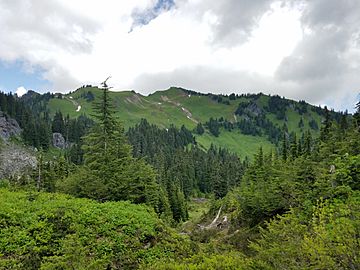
x=14 y=75
x=146 y=16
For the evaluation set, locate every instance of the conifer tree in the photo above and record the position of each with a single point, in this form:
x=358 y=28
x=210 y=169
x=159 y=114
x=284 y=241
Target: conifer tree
x=308 y=143
x=294 y=147
x=344 y=125
x=199 y=129
x=259 y=158
x=357 y=115
x=58 y=124
x=109 y=171
x=220 y=185
x=284 y=147
x=325 y=129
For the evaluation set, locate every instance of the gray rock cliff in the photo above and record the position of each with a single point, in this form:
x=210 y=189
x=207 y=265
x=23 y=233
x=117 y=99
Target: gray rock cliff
x=15 y=161
x=8 y=127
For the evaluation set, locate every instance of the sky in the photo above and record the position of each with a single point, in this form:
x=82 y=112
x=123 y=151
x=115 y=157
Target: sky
x=301 y=49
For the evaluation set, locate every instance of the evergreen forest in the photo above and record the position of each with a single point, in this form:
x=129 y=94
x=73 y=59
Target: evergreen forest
x=180 y=180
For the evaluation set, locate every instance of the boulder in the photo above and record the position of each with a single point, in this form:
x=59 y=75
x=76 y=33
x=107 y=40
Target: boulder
x=59 y=141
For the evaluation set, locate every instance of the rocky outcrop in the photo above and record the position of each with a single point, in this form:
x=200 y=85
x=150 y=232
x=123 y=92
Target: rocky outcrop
x=8 y=127
x=254 y=109
x=15 y=161
x=59 y=141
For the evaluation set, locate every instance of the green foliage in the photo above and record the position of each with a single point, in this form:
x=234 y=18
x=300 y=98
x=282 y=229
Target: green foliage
x=58 y=124
x=199 y=129
x=357 y=116
x=213 y=126
x=171 y=106
x=325 y=129
x=183 y=169
x=231 y=260
x=298 y=211
x=52 y=231
x=110 y=173
x=302 y=213
x=328 y=241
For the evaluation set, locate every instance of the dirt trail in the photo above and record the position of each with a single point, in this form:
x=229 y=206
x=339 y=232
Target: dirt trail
x=183 y=109
x=75 y=103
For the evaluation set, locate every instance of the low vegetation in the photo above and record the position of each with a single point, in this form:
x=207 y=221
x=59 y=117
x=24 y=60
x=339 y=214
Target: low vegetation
x=154 y=198
x=55 y=231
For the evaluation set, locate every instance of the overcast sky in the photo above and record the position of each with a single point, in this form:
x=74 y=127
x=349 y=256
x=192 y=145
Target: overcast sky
x=301 y=49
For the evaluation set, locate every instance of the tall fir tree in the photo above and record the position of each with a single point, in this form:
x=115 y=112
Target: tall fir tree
x=109 y=171
x=325 y=129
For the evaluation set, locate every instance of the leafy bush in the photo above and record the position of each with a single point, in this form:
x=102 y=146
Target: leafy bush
x=330 y=240
x=54 y=231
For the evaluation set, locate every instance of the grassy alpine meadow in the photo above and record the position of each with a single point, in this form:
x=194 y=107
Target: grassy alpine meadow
x=238 y=143
x=177 y=106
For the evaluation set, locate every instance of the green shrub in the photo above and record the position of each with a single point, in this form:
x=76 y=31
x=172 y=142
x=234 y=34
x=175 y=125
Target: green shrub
x=55 y=231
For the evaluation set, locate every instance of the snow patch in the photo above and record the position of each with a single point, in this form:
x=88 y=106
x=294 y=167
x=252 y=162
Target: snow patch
x=71 y=97
x=78 y=108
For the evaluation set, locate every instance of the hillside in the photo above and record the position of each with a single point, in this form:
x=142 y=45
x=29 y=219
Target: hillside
x=297 y=208
x=243 y=120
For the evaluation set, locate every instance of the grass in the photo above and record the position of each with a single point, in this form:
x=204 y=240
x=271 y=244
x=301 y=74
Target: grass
x=243 y=145
x=197 y=207
x=165 y=108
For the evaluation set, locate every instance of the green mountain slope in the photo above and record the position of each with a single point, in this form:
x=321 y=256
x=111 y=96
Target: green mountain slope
x=182 y=107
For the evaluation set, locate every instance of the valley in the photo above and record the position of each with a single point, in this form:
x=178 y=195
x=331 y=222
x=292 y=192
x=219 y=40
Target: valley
x=176 y=180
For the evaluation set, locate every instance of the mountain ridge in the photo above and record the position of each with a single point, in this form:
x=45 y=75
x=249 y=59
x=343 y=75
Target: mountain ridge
x=245 y=122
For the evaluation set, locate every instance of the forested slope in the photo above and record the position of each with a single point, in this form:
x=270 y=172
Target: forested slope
x=239 y=122
x=295 y=206
x=297 y=210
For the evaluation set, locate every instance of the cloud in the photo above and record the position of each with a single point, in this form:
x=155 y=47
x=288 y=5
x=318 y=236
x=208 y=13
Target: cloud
x=325 y=61
x=301 y=49
x=21 y=91
x=143 y=17
x=235 y=20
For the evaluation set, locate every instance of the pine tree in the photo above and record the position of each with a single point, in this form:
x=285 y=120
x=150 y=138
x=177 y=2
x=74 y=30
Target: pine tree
x=219 y=183
x=300 y=145
x=43 y=134
x=308 y=143
x=357 y=115
x=284 y=147
x=199 y=129
x=301 y=123
x=294 y=147
x=58 y=124
x=344 y=125
x=325 y=129
x=259 y=158
x=109 y=171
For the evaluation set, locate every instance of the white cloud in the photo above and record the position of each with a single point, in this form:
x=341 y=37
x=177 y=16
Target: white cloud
x=204 y=45
x=21 y=91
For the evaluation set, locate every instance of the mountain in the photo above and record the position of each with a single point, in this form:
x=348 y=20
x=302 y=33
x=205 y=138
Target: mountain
x=290 y=209
x=244 y=122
